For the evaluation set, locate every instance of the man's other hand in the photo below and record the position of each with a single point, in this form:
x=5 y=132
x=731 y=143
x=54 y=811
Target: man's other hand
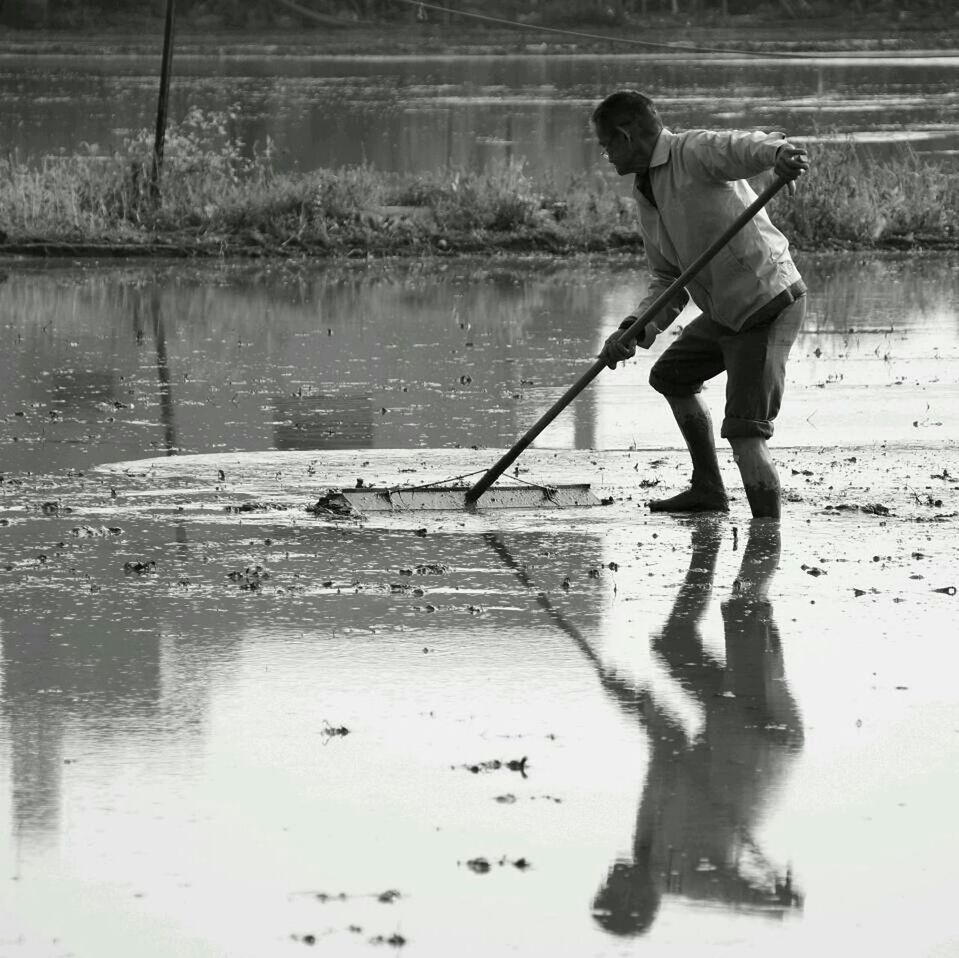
x=617 y=350
x=791 y=163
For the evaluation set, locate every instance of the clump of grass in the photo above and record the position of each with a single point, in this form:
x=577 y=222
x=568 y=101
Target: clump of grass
x=851 y=198
x=218 y=195
x=500 y=200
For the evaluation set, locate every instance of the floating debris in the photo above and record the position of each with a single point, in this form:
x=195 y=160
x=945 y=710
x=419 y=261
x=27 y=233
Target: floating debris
x=139 y=568
x=335 y=730
x=482 y=865
x=254 y=506
x=250 y=579
x=873 y=508
x=396 y=940
x=514 y=765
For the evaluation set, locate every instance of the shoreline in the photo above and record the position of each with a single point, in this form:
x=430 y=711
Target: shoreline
x=531 y=246
x=837 y=36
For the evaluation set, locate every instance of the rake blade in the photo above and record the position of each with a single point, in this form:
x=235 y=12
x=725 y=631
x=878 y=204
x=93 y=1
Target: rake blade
x=453 y=498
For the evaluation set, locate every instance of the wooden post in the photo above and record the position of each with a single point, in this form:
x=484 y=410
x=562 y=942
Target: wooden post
x=162 y=100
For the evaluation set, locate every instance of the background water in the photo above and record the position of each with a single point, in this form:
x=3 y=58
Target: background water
x=410 y=113
x=117 y=362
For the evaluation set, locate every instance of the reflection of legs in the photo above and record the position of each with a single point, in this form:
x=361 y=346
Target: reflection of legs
x=706 y=492
x=754 y=662
x=760 y=558
x=679 y=642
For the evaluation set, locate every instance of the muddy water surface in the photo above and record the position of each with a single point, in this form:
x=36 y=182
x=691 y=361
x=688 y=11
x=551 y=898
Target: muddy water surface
x=231 y=727
x=112 y=363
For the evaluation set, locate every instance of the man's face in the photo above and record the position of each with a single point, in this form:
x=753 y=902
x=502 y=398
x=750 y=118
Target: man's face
x=625 y=150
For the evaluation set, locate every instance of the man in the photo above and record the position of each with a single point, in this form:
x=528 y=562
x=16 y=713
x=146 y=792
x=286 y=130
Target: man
x=689 y=187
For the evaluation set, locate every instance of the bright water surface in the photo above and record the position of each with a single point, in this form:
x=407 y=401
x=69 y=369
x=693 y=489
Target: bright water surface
x=710 y=768
x=416 y=114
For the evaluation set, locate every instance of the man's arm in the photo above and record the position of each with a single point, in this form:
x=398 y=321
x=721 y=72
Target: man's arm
x=663 y=274
x=738 y=155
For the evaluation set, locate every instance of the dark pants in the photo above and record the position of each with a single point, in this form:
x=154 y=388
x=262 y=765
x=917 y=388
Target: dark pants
x=754 y=360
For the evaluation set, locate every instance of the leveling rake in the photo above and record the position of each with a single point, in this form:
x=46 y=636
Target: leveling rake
x=528 y=495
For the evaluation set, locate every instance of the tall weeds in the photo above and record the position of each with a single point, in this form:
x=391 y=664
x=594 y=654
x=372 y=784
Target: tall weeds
x=216 y=190
x=854 y=199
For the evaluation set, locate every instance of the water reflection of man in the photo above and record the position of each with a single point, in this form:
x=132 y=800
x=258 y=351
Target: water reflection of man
x=690 y=187
x=705 y=793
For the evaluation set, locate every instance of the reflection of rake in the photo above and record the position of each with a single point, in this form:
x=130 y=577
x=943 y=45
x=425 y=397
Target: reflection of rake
x=630 y=698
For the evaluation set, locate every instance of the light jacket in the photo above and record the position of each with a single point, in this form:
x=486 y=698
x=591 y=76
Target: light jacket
x=698 y=180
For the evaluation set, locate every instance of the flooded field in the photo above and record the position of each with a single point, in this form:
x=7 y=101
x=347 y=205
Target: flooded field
x=231 y=727
x=421 y=113
x=120 y=362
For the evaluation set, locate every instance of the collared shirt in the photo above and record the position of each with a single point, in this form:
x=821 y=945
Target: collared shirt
x=698 y=183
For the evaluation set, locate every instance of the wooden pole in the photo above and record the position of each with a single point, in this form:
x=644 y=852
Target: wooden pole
x=165 y=66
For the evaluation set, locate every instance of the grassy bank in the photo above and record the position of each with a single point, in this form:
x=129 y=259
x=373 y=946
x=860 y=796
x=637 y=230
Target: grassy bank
x=217 y=201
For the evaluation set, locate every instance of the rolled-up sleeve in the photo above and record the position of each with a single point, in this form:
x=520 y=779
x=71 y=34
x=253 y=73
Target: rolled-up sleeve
x=733 y=155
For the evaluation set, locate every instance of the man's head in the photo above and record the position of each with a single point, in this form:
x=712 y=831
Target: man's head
x=627 y=126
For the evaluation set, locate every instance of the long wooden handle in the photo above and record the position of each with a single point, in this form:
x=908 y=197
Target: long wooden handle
x=635 y=331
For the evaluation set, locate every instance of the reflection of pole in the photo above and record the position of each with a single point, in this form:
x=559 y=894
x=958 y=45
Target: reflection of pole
x=162 y=100
x=631 y=699
x=163 y=375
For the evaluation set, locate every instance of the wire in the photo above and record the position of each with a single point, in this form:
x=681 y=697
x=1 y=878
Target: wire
x=421 y=4
x=455 y=479
x=437 y=482
x=325 y=19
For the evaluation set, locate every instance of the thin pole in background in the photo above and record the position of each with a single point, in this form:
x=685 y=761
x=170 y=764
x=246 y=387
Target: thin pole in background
x=162 y=100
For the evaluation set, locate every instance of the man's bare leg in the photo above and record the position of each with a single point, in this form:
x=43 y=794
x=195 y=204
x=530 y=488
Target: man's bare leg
x=760 y=478
x=706 y=492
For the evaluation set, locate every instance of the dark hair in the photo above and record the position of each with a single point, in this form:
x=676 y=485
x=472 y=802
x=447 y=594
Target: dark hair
x=625 y=107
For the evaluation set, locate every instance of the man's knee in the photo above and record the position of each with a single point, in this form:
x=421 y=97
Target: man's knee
x=663 y=379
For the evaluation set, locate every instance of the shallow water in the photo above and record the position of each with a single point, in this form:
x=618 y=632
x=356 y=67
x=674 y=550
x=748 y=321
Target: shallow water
x=415 y=114
x=234 y=733
x=229 y=727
